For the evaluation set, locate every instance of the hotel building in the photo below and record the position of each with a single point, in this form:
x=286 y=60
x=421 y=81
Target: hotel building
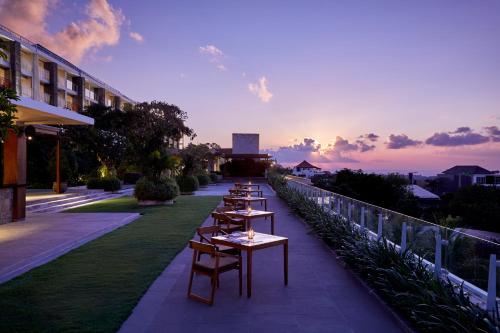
x=52 y=92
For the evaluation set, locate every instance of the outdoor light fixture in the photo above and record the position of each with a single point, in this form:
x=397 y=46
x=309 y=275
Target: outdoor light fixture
x=251 y=233
x=28 y=131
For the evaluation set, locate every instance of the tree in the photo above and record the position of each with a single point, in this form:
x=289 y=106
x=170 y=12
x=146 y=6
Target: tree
x=7 y=112
x=195 y=157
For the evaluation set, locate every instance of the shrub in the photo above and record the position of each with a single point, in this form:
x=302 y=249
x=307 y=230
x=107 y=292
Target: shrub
x=214 y=178
x=188 y=184
x=203 y=179
x=131 y=177
x=94 y=184
x=111 y=184
x=161 y=190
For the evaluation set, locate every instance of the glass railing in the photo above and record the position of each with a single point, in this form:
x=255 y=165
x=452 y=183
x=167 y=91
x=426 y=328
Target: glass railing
x=451 y=253
x=46 y=98
x=26 y=91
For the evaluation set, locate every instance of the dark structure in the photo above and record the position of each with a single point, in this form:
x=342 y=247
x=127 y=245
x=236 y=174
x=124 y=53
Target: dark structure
x=456 y=177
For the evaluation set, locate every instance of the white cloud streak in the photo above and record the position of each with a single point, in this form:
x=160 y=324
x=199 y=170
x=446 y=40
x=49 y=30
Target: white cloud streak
x=261 y=90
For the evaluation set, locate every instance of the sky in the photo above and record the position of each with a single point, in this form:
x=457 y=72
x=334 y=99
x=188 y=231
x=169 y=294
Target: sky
x=383 y=86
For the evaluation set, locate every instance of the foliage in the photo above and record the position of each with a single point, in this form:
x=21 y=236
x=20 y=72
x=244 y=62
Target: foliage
x=95 y=287
x=196 y=157
x=429 y=304
x=214 y=177
x=159 y=161
x=131 y=177
x=111 y=184
x=7 y=112
x=159 y=190
x=95 y=183
x=188 y=184
x=478 y=206
x=385 y=191
x=203 y=179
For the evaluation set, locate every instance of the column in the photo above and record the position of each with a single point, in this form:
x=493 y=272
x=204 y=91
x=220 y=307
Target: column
x=101 y=95
x=14 y=173
x=80 y=92
x=15 y=66
x=53 y=89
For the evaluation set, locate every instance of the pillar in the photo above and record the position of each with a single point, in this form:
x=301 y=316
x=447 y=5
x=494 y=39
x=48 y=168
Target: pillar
x=14 y=173
x=15 y=66
x=101 y=96
x=53 y=86
x=117 y=101
x=80 y=92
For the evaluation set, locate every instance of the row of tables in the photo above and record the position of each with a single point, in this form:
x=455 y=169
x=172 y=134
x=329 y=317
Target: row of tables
x=242 y=193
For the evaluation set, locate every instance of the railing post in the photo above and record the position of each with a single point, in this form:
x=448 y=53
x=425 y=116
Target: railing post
x=491 y=300
x=338 y=206
x=362 y=217
x=403 y=238
x=437 y=257
x=380 y=225
x=349 y=209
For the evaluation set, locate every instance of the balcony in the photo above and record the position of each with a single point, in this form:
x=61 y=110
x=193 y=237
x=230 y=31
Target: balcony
x=4 y=82
x=73 y=106
x=26 y=69
x=71 y=87
x=44 y=75
x=61 y=102
x=27 y=91
x=46 y=98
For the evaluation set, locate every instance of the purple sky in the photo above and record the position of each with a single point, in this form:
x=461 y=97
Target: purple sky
x=312 y=77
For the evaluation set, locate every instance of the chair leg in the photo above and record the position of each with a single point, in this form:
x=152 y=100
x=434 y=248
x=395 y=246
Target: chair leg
x=212 y=294
x=240 y=276
x=190 y=282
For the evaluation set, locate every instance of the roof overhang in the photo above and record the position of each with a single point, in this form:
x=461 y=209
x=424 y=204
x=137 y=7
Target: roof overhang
x=32 y=112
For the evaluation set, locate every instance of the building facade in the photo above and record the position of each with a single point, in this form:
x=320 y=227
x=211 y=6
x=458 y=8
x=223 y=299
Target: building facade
x=38 y=74
x=306 y=169
x=52 y=92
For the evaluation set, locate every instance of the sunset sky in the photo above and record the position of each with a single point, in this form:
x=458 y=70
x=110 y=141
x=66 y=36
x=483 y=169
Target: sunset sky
x=377 y=85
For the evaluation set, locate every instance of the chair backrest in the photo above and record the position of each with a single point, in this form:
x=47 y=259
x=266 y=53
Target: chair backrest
x=200 y=247
x=220 y=217
x=223 y=209
x=212 y=230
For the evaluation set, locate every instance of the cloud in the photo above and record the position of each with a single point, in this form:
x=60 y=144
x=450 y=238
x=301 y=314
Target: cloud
x=364 y=147
x=462 y=136
x=308 y=149
x=261 y=90
x=215 y=54
x=464 y=129
x=493 y=132
x=99 y=28
x=136 y=36
x=370 y=136
x=401 y=141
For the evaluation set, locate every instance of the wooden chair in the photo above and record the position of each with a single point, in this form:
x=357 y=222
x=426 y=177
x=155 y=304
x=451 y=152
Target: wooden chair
x=212 y=265
x=229 y=201
x=227 y=223
x=205 y=234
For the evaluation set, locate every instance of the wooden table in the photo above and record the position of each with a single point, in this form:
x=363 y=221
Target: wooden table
x=239 y=240
x=248 y=200
x=249 y=215
x=245 y=191
x=248 y=185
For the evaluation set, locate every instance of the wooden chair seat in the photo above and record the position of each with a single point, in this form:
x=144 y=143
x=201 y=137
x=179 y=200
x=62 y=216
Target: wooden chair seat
x=225 y=263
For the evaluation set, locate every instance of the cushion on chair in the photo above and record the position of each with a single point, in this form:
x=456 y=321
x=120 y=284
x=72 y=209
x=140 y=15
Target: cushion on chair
x=209 y=262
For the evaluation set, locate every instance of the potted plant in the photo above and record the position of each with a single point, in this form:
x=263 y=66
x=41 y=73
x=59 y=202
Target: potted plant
x=188 y=184
x=160 y=192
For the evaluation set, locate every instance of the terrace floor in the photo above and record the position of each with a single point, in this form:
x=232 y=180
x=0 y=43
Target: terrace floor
x=41 y=238
x=322 y=296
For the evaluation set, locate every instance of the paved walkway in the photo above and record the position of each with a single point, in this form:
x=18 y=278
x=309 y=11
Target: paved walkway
x=322 y=296
x=41 y=238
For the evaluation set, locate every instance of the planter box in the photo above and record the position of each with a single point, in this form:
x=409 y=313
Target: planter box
x=6 y=202
x=155 y=202
x=64 y=187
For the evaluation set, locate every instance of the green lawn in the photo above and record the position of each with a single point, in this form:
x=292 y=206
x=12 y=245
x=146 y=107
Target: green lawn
x=95 y=287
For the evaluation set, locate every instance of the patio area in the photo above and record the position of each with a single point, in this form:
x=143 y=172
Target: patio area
x=321 y=296
x=41 y=238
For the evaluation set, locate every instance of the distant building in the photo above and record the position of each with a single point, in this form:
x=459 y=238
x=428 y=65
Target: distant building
x=459 y=176
x=491 y=179
x=425 y=198
x=305 y=169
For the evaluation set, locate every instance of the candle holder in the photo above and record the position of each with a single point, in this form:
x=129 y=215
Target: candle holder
x=249 y=209
x=250 y=233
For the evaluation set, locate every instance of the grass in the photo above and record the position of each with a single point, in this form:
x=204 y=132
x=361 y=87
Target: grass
x=95 y=287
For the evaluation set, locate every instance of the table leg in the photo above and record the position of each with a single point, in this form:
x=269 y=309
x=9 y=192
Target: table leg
x=265 y=205
x=249 y=273
x=285 y=261
x=272 y=224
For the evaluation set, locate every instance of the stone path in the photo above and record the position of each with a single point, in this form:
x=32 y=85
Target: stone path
x=322 y=296
x=41 y=238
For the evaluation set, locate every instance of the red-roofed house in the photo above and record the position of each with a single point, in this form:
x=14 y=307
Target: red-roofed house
x=305 y=169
